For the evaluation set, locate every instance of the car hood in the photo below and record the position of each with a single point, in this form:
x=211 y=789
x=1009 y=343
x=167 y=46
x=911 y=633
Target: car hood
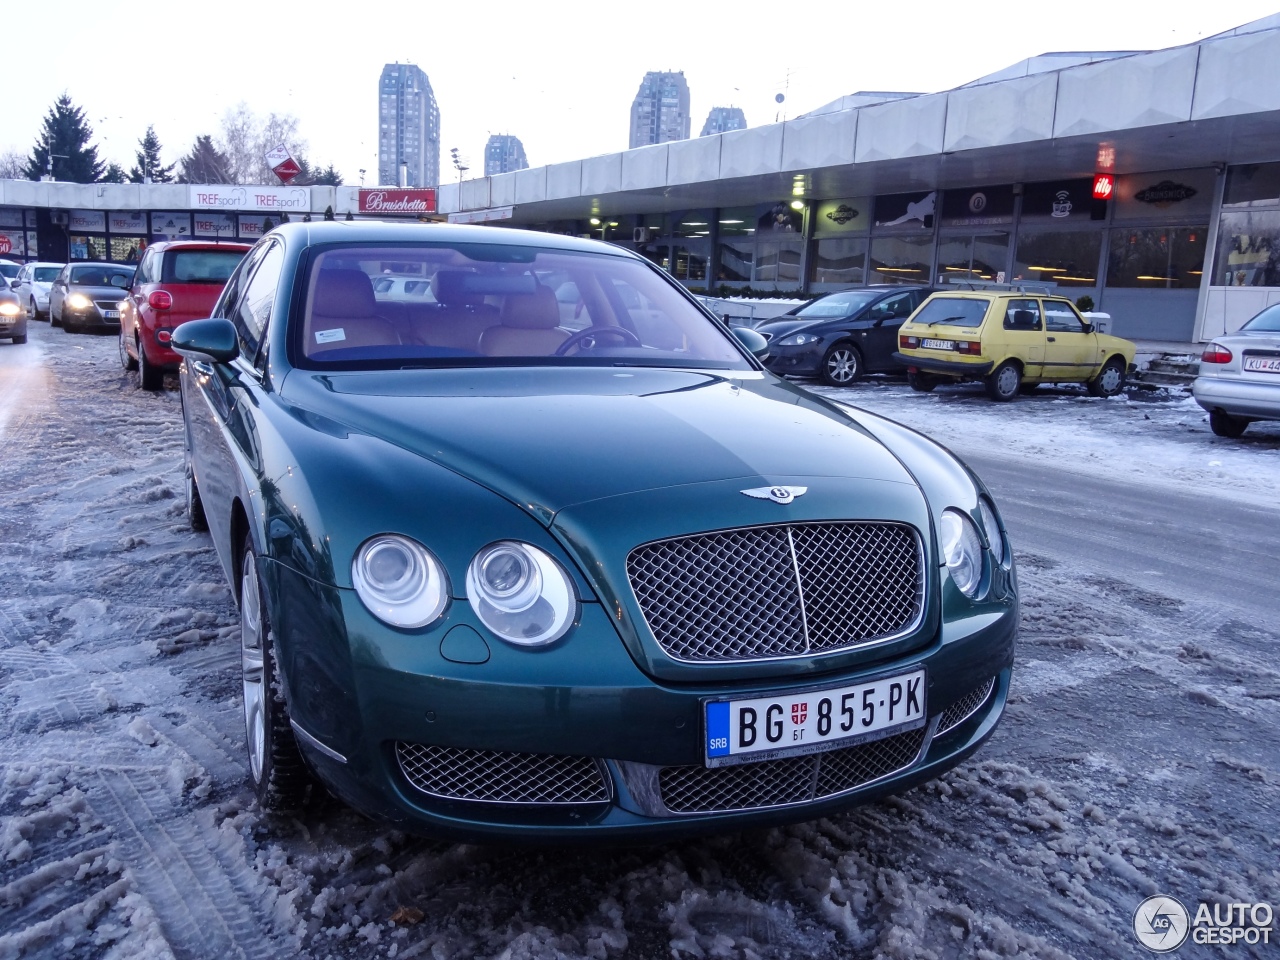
x=40 y=287
x=98 y=293
x=549 y=438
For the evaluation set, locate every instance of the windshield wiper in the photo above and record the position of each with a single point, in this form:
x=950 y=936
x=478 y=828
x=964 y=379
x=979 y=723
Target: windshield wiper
x=944 y=320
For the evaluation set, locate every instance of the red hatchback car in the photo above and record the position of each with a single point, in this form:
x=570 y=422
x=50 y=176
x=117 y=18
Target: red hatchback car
x=176 y=281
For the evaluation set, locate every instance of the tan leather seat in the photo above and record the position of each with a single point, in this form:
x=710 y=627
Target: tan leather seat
x=345 y=314
x=457 y=318
x=528 y=326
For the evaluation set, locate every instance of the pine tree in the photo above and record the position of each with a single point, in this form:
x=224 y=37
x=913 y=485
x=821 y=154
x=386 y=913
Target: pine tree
x=149 y=163
x=114 y=174
x=329 y=176
x=205 y=163
x=65 y=138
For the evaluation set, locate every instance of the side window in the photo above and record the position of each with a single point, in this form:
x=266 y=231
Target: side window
x=1022 y=315
x=227 y=301
x=899 y=306
x=253 y=308
x=1060 y=317
x=146 y=269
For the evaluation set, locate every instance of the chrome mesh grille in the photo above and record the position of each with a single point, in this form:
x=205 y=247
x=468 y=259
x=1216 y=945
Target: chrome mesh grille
x=778 y=591
x=771 y=783
x=965 y=707
x=501 y=777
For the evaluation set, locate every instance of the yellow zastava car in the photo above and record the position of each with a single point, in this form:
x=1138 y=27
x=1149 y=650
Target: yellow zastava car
x=1010 y=341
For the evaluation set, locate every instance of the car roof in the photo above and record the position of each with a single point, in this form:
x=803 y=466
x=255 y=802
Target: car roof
x=382 y=231
x=998 y=294
x=200 y=245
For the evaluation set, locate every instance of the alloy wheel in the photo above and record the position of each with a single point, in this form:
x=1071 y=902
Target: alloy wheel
x=842 y=365
x=251 y=666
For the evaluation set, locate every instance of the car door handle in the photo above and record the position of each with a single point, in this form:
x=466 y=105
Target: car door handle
x=202 y=368
x=1051 y=339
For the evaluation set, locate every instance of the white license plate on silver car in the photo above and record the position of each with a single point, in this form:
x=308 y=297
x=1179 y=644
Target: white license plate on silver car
x=938 y=344
x=762 y=728
x=111 y=314
x=1262 y=364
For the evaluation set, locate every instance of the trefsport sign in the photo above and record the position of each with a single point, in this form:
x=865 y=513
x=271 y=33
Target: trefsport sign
x=230 y=197
x=398 y=202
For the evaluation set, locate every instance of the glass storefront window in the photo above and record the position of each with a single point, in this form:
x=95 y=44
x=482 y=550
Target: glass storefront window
x=126 y=249
x=689 y=223
x=1069 y=259
x=735 y=261
x=973 y=258
x=1159 y=257
x=1248 y=249
x=839 y=261
x=689 y=264
x=737 y=222
x=1254 y=184
x=901 y=260
x=778 y=263
x=88 y=248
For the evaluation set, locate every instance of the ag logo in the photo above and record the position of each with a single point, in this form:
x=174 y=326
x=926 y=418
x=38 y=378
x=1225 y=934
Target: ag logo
x=1161 y=924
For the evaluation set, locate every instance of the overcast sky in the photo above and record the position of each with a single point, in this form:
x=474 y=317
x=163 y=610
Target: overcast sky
x=559 y=75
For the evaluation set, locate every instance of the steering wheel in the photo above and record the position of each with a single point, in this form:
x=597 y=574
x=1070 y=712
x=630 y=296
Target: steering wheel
x=590 y=333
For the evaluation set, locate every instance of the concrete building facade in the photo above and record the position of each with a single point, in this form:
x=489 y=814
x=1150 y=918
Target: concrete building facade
x=660 y=111
x=408 y=127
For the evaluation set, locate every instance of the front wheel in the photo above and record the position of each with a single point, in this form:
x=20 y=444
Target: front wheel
x=1225 y=425
x=1004 y=382
x=279 y=776
x=841 y=365
x=150 y=377
x=1110 y=379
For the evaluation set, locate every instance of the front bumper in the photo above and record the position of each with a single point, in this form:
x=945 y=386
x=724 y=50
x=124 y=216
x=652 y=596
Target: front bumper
x=358 y=690
x=88 y=318
x=13 y=326
x=1238 y=398
x=949 y=368
x=801 y=361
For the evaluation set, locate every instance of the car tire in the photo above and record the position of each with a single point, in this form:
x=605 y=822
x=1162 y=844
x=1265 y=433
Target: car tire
x=1110 y=379
x=1004 y=381
x=276 y=769
x=150 y=377
x=126 y=361
x=841 y=365
x=921 y=382
x=1027 y=388
x=54 y=321
x=21 y=338
x=1225 y=425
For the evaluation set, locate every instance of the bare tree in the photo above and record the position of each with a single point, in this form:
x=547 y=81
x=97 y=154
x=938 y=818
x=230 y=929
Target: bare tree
x=246 y=138
x=13 y=165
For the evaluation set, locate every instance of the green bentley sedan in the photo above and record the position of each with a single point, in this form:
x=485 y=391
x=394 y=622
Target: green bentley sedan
x=546 y=552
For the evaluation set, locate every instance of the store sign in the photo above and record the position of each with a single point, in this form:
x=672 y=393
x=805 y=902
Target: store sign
x=978 y=207
x=397 y=202
x=251 y=227
x=264 y=199
x=841 y=216
x=170 y=226
x=87 y=221
x=1104 y=184
x=1166 y=192
x=215 y=225
x=907 y=210
x=127 y=222
x=6 y=243
x=1058 y=201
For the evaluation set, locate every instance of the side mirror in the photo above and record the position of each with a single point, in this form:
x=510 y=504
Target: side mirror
x=753 y=341
x=213 y=340
x=14 y=284
x=1088 y=327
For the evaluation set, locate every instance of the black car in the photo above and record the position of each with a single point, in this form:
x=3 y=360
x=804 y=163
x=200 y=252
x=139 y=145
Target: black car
x=839 y=337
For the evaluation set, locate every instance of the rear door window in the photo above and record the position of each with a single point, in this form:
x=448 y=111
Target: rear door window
x=1022 y=315
x=200 y=266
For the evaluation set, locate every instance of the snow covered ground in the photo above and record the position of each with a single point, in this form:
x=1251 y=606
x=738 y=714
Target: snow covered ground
x=1139 y=753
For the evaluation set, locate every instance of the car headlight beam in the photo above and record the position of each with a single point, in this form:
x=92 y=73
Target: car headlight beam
x=400 y=581
x=78 y=301
x=521 y=593
x=962 y=551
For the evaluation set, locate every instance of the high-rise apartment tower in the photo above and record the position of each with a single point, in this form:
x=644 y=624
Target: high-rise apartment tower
x=408 y=127
x=503 y=154
x=660 y=111
x=721 y=119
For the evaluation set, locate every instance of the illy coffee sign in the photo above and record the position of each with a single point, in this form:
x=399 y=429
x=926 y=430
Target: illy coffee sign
x=398 y=202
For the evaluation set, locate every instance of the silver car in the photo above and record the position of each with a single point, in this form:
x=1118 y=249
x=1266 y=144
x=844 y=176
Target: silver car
x=1239 y=379
x=88 y=295
x=32 y=287
x=13 y=320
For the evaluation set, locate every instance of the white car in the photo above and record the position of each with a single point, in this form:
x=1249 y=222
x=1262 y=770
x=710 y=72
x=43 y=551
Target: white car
x=32 y=287
x=1239 y=379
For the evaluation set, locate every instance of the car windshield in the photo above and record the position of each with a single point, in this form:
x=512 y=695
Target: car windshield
x=100 y=275
x=843 y=304
x=961 y=311
x=491 y=304
x=9 y=270
x=45 y=274
x=200 y=266
x=1268 y=321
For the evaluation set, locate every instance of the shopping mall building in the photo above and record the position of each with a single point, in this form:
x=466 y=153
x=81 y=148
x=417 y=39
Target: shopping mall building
x=1148 y=181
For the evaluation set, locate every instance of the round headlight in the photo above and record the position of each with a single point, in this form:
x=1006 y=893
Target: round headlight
x=78 y=301
x=520 y=593
x=992 y=526
x=962 y=551
x=799 y=340
x=400 y=581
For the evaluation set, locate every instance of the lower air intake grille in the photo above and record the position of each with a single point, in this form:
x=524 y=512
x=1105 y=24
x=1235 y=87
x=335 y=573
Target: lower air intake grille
x=772 y=783
x=965 y=707
x=494 y=776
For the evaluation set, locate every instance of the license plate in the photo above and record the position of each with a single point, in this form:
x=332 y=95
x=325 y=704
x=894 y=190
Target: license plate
x=111 y=314
x=763 y=728
x=1262 y=364
x=938 y=344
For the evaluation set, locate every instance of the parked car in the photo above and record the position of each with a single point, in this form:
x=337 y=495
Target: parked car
x=32 y=285
x=557 y=584
x=88 y=295
x=839 y=337
x=175 y=281
x=9 y=269
x=414 y=289
x=1239 y=379
x=13 y=321
x=1010 y=341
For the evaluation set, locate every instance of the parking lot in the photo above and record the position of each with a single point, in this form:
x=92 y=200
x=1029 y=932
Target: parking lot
x=1139 y=754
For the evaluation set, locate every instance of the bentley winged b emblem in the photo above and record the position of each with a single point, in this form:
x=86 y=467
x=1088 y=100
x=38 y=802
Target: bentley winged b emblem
x=777 y=494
